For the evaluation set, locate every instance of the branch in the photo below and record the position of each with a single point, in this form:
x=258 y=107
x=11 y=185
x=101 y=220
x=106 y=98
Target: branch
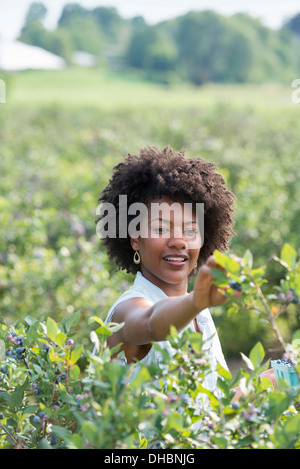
x=10 y=436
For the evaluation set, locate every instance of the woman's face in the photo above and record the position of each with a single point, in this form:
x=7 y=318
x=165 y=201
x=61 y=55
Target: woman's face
x=169 y=245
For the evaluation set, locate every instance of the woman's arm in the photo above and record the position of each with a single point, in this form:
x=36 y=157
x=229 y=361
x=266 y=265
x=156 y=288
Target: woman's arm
x=145 y=322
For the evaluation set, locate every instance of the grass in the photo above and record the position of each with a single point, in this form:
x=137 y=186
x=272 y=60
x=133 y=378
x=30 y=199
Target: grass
x=80 y=87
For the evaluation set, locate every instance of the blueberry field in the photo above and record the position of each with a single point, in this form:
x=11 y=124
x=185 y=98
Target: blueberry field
x=60 y=136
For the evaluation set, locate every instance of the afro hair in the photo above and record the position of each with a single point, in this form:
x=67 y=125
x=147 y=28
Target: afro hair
x=155 y=173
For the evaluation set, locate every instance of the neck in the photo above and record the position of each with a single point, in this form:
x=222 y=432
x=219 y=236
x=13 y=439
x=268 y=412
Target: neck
x=170 y=289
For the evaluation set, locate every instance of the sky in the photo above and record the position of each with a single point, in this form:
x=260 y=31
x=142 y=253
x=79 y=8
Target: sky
x=271 y=12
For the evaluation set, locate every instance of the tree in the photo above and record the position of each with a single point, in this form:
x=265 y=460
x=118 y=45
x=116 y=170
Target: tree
x=36 y=12
x=294 y=24
x=141 y=40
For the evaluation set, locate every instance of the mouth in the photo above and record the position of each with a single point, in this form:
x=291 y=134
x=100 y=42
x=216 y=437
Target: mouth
x=175 y=259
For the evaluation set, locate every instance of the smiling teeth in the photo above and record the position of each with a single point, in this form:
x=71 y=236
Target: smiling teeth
x=175 y=258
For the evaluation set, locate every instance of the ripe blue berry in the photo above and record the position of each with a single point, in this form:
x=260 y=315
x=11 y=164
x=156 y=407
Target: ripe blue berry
x=36 y=419
x=281 y=297
x=235 y=286
x=1 y=416
x=53 y=440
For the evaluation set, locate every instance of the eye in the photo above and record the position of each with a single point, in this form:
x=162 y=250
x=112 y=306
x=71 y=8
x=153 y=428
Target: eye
x=160 y=230
x=191 y=232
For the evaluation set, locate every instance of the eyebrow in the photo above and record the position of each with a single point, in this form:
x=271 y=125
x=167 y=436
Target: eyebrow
x=168 y=221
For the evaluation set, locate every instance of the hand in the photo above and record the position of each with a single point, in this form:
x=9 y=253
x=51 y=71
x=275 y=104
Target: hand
x=270 y=374
x=205 y=293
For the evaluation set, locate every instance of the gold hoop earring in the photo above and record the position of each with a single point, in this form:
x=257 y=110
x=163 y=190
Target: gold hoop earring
x=136 y=257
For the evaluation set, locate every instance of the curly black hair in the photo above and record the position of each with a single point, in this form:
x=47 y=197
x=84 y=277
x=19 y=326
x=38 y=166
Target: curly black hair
x=155 y=173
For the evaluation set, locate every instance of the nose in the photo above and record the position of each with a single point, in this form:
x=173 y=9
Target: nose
x=178 y=243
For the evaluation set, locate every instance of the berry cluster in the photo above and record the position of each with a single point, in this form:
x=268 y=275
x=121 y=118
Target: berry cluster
x=4 y=369
x=62 y=376
x=284 y=361
x=18 y=340
x=235 y=286
x=35 y=388
x=37 y=419
x=288 y=297
x=82 y=406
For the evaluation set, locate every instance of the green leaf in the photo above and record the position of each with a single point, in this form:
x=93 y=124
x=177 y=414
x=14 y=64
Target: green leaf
x=76 y=354
x=228 y=263
x=61 y=339
x=96 y=319
x=61 y=432
x=74 y=372
x=223 y=372
x=72 y=320
x=278 y=402
x=89 y=431
x=248 y=259
x=289 y=255
x=257 y=354
x=143 y=443
x=220 y=277
x=247 y=361
x=2 y=350
x=51 y=329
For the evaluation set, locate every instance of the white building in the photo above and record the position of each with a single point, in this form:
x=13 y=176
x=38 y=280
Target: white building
x=15 y=55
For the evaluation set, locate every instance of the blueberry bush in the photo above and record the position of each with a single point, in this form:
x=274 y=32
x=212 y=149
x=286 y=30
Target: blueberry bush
x=56 y=392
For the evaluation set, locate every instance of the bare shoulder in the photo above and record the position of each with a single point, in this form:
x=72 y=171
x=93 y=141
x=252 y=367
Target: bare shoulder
x=131 y=307
x=134 y=335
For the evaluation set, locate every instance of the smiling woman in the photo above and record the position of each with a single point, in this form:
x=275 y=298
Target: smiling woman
x=166 y=249
x=142 y=180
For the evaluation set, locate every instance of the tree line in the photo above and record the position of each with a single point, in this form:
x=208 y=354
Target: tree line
x=199 y=46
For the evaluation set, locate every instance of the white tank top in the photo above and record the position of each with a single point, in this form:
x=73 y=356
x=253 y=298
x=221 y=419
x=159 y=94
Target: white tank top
x=211 y=343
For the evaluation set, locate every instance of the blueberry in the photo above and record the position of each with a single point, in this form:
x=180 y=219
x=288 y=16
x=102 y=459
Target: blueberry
x=295 y=299
x=235 y=286
x=20 y=349
x=36 y=419
x=69 y=342
x=63 y=376
x=53 y=440
x=1 y=416
x=14 y=334
x=4 y=369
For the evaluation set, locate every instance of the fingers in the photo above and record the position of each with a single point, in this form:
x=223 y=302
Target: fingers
x=212 y=264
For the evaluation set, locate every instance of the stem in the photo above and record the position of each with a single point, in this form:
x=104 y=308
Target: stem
x=268 y=312
x=270 y=317
x=10 y=436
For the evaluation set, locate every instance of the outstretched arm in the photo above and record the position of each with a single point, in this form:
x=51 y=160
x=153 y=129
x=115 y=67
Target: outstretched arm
x=145 y=322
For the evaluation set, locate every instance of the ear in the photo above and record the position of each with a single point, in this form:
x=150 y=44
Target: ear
x=134 y=244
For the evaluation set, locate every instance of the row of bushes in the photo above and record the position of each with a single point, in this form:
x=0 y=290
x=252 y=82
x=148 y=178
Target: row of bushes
x=51 y=396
